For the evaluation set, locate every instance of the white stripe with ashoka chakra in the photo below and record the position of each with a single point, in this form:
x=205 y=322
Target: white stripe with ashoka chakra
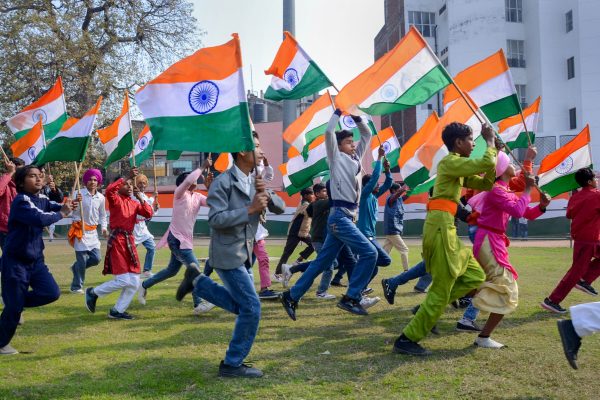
x=300 y=64
x=124 y=127
x=580 y=158
x=27 y=119
x=147 y=138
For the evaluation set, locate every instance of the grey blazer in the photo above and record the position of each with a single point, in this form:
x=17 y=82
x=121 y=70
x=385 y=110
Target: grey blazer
x=232 y=229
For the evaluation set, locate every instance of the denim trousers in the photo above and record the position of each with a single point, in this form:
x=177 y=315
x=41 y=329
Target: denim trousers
x=150 y=250
x=341 y=230
x=83 y=260
x=236 y=295
x=346 y=262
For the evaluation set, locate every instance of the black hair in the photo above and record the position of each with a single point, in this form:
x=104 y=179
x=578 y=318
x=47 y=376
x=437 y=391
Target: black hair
x=453 y=131
x=17 y=161
x=180 y=178
x=583 y=176
x=305 y=192
x=365 y=179
x=317 y=187
x=394 y=187
x=20 y=176
x=341 y=135
x=254 y=136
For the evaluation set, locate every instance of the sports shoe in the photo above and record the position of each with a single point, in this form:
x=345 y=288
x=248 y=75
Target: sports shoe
x=552 y=306
x=368 y=302
x=352 y=306
x=367 y=291
x=487 y=343
x=90 y=299
x=243 y=371
x=147 y=274
x=404 y=345
x=338 y=284
x=187 y=284
x=277 y=278
x=286 y=274
x=203 y=307
x=142 y=291
x=8 y=350
x=267 y=294
x=586 y=288
x=325 y=296
x=570 y=340
x=466 y=325
x=114 y=314
x=289 y=304
x=21 y=320
x=388 y=292
x=77 y=291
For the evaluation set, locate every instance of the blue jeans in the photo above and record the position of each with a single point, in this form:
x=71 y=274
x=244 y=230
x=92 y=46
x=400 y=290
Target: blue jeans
x=417 y=271
x=150 y=249
x=179 y=257
x=328 y=273
x=236 y=295
x=341 y=230
x=346 y=262
x=83 y=261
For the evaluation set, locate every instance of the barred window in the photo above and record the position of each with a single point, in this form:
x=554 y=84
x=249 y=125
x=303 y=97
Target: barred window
x=522 y=95
x=571 y=68
x=573 y=118
x=423 y=21
x=515 y=53
x=569 y=20
x=514 y=10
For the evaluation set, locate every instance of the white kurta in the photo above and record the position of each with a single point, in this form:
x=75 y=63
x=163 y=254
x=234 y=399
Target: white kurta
x=140 y=230
x=94 y=213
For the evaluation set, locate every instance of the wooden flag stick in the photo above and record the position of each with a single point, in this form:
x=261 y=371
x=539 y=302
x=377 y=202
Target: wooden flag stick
x=77 y=174
x=525 y=126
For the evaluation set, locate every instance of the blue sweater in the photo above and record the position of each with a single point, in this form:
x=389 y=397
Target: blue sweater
x=29 y=214
x=367 y=209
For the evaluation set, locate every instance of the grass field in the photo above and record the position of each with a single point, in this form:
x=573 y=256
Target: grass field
x=166 y=352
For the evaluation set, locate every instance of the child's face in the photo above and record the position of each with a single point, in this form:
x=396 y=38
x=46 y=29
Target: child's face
x=321 y=194
x=309 y=197
x=34 y=181
x=464 y=146
x=92 y=184
x=347 y=146
x=126 y=188
x=142 y=184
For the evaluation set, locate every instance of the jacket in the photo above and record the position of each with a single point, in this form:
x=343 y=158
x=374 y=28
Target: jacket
x=8 y=191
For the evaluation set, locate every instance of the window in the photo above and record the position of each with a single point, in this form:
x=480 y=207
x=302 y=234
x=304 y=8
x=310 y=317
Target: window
x=442 y=9
x=545 y=145
x=569 y=20
x=571 y=68
x=445 y=62
x=522 y=95
x=564 y=139
x=423 y=21
x=573 y=118
x=181 y=166
x=514 y=10
x=515 y=52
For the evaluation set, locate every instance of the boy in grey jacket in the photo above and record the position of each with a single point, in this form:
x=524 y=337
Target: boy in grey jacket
x=236 y=199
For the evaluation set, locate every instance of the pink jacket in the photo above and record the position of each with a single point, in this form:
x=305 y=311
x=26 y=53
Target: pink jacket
x=8 y=192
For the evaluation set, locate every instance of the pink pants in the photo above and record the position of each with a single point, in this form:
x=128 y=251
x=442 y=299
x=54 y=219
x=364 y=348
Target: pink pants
x=263 y=263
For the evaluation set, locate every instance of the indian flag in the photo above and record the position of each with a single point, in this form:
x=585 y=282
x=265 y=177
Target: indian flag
x=144 y=146
x=513 y=132
x=70 y=144
x=300 y=170
x=347 y=123
x=391 y=146
x=30 y=145
x=310 y=125
x=295 y=75
x=406 y=76
x=490 y=85
x=199 y=103
x=224 y=162
x=411 y=168
x=117 y=139
x=50 y=109
x=287 y=184
x=557 y=170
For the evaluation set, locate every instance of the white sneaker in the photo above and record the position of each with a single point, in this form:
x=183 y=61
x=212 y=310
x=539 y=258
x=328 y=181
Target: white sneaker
x=142 y=295
x=203 y=307
x=147 y=274
x=78 y=291
x=8 y=350
x=488 y=343
x=21 y=320
x=286 y=275
x=325 y=296
x=368 y=302
x=277 y=278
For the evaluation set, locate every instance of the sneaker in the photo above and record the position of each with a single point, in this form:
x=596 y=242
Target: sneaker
x=187 y=284
x=286 y=274
x=487 y=343
x=114 y=314
x=586 y=288
x=142 y=291
x=419 y=290
x=8 y=350
x=267 y=294
x=367 y=291
x=466 y=325
x=552 y=306
x=338 y=284
x=277 y=278
x=289 y=304
x=77 y=291
x=368 y=302
x=406 y=346
x=570 y=340
x=21 y=320
x=203 y=307
x=90 y=299
x=325 y=296
x=464 y=302
x=352 y=306
x=243 y=371
x=388 y=292
x=147 y=274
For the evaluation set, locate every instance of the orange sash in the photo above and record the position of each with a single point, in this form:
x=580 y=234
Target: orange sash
x=76 y=231
x=442 y=205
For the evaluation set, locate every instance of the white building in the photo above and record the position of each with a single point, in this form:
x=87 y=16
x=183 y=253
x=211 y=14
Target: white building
x=552 y=47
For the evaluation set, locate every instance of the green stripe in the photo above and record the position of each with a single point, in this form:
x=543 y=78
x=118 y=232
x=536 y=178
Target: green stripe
x=422 y=188
x=428 y=85
x=417 y=177
x=312 y=81
x=293 y=189
x=225 y=131
x=479 y=149
x=143 y=155
x=50 y=130
x=123 y=149
x=301 y=177
x=173 y=155
x=310 y=136
x=560 y=185
x=64 y=149
x=521 y=142
x=502 y=108
x=392 y=157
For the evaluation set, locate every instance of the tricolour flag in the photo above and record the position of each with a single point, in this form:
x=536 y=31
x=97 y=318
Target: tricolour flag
x=310 y=125
x=199 y=103
x=490 y=85
x=295 y=75
x=513 y=132
x=144 y=146
x=30 y=145
x=347 y=123
x=557 y=170
x=406 y=76
x=50 y=108
x=300 y=170
x=390 y=144
x=411 y=168
x=117 y=139
x=287 y=184
x=70 y=144
x=224 y=162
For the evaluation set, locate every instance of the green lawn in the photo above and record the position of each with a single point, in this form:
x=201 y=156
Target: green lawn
x=166 y=352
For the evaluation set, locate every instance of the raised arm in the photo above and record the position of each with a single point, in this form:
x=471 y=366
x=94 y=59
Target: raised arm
x=365 y=136
x=388 y=179
x=189 y=180
x=330 y=139
x=370 y=185
x=112 y=191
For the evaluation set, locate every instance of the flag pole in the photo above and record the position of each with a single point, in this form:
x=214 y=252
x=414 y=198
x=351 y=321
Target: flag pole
x=154 y=172
x=525 y=126
x=132 y=141
x=77 y=174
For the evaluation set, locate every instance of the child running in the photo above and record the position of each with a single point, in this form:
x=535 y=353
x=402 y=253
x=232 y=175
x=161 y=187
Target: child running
x=140 y=231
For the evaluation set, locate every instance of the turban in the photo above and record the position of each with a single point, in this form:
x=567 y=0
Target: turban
x=92 y=172
x=501 y=163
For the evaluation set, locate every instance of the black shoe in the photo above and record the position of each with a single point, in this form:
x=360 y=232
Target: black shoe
x=552 y=306
x=455 y=304
x=338 y=284
x=433 y=330
x=288 y=304
x=90 y=299
x=243 y=371
x=367 y=291
x=464 y=302
x=570 y=340
x=352 y=306
x=388 y=292
x=586 y=288
x=267 y=294
x=465 y=325
x=114 y=314
x=187 y=284
x=406 y=346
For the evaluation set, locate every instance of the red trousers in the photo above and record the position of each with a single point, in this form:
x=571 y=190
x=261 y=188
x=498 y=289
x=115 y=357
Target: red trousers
x=586 y=266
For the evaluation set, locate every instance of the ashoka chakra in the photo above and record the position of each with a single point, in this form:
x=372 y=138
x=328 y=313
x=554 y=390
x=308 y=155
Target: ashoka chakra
x=389 y=92
x=291 y=76
x=37 y=114
x=565 y=167
x=349 y=122
x=203 y=97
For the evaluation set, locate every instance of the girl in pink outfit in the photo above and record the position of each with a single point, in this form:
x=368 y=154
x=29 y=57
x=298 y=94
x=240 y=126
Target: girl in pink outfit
x=499 y=293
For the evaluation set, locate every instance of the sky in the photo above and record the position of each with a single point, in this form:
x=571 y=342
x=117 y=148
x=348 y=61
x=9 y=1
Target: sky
x=337 y=34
